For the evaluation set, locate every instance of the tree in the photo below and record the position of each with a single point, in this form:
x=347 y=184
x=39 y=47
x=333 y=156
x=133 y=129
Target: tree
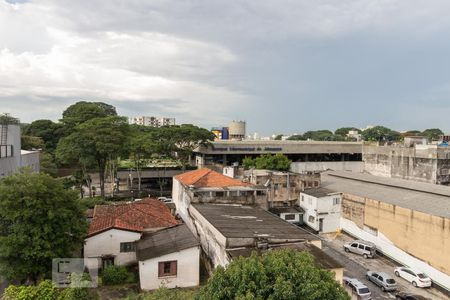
x=48 y=131
x=182 y=140
x=6 y=119
x=277 y=162
x=39 y=221
x=141 y=147
x=31 y=142
x=101 y=140
x=278 y=137
x=83 y=111
x=343 y=131
x=297 y=137
x=47 y=164
x=278 y=274
x=433 y=134
x=380 y=133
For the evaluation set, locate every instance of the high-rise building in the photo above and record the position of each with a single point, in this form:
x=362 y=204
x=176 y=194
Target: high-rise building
x=152 y=121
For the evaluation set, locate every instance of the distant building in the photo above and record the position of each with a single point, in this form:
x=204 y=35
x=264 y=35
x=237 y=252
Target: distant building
x=291 y=214
x=322 y=209
x=114 y=230
x=237 y=130
x=208 y=186
x=152 y=121
x=415 y=160
x=12 y=158
x=221 y=133
x=169 y=257
x=354 y=134
x=283 y=187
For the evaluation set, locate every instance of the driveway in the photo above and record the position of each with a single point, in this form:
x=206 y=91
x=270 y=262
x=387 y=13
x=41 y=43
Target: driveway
x=356 y=267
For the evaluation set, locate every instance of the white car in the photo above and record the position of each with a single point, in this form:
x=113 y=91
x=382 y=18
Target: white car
x=358 y=288
x=417 y=278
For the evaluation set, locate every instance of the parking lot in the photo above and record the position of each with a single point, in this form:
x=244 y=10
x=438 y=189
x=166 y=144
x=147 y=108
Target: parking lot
x=356 y=267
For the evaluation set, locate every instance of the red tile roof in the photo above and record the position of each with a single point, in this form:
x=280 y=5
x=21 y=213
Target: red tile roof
x=136 y=216
x=208 y=178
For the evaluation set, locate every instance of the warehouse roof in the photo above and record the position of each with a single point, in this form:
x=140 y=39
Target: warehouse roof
x=238 y=221
x=424 y=197
x=165 y=241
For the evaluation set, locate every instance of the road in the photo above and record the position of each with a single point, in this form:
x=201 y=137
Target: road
x=356 y=267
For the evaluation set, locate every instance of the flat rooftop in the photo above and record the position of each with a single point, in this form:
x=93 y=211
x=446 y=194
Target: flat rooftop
x=237 y=221
x=424 y=197
x=319 y=192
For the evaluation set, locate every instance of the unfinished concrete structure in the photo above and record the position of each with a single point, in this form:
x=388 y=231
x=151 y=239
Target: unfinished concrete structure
x=425 y=163
x=408 y=221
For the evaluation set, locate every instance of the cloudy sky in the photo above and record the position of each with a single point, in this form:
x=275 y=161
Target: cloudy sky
x=282 y=65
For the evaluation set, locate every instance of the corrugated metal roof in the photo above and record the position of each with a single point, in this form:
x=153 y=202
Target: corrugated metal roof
x=165 y=241
x=427 y=198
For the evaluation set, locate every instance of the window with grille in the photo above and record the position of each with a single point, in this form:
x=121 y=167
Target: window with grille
x=128 y=247
x=167 y=268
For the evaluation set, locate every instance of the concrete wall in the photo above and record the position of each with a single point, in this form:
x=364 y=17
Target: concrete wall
x=188 y=270
x=321 y=208
x=413 y=238
x=108 y=243
x=31 y=159
x=10 y=165
x=425 y=163
x=296 y=220
x=353 y=166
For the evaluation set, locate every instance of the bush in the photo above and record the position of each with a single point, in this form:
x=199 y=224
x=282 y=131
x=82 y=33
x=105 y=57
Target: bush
x=44 y=291
x=171 y=294
x=117 y=275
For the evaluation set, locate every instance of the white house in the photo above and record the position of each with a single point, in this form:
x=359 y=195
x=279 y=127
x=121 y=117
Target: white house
x=114 y=230
x=291 y=214
x=322 y=209
x=169 y=257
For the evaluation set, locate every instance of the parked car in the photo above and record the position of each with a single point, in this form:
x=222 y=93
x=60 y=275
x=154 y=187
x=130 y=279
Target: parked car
x=409 y=296
x=358 y=288
x=364 y=248
x=417 y=278
x=383 y=280
x=165 y=199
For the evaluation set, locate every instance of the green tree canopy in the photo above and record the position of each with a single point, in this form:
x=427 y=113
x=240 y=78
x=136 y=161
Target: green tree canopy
x=296 y=137
x=433 y=134
x=278 y=274
x=278 y=137
x=39 y=221
x=48 y=131
x=380 y=133
x=277 y=162
x=101 y=140
x=31 y=142
x=344 y=131
x=83 y=111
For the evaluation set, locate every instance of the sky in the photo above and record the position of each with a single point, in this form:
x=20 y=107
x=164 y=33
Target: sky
x=284 y=66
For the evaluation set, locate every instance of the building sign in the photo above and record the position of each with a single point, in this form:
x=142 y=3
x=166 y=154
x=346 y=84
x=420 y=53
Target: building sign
x=248 y=149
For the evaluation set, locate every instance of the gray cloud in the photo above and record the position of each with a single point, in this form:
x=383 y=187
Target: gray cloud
x=285 y=66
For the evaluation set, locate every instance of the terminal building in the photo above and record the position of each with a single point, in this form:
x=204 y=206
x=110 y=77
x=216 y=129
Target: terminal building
x=305 y=155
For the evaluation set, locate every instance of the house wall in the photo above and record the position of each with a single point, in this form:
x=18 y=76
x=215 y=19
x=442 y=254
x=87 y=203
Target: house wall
x=188 y=270
x=321 y=208
x=413 y=238
x=108 y=243
x=298 y=217
x=31 y=160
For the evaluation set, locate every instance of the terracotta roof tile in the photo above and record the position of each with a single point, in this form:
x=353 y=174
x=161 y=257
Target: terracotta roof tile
x=208 y=178
x=136 y=216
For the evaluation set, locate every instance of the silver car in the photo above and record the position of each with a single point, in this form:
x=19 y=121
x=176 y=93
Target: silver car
x=364 y=248
x=383 y=280
x=358 y=288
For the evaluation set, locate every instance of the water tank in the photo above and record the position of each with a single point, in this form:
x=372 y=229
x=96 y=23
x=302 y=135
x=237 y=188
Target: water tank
x=236 y=130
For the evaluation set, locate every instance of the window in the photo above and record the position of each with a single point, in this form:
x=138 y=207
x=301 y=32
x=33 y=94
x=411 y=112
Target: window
x=289 y=217
x=219 y=194
x=167 y=268
x=311 y=219
x=336 y=201
x=361 y=246
x=303 y=198
x=355 y=245
x=127 y=247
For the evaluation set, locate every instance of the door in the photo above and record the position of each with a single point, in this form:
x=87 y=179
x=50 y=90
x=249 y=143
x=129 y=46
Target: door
x=320 y=225
x=107 y=262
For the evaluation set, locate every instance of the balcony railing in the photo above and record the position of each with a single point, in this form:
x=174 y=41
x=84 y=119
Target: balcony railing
x=6 y=151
